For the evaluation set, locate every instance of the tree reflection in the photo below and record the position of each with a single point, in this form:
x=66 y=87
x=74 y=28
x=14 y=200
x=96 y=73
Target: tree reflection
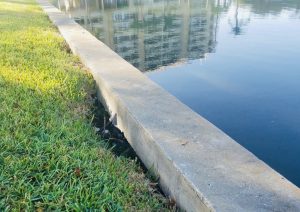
x=239 y=22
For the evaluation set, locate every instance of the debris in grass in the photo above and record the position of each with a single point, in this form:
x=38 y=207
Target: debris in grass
x=77 y=172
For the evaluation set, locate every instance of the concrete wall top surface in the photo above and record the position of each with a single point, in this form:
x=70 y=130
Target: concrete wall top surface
x=201 y=167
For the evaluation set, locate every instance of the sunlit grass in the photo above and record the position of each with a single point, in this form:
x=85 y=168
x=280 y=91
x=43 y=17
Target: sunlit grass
x=50 y=156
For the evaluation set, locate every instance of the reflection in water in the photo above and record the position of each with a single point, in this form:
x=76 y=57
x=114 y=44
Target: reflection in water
x=238 y=23
x=275 y=7
x=248 y=84
x=150 y=34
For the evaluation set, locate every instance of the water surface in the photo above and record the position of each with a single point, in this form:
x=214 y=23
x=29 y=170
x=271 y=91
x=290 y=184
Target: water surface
x=237 y=63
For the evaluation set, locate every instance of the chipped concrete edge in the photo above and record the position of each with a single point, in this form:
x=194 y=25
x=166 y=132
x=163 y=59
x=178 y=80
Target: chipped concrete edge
x=142 y=114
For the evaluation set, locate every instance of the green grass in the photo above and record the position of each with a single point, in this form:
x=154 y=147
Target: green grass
x=50 y=155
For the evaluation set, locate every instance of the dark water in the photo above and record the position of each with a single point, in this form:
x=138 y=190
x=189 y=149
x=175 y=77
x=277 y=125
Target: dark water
x=237 y=63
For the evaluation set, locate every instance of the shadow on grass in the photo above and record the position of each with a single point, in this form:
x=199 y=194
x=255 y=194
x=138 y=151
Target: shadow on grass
x=39 y=132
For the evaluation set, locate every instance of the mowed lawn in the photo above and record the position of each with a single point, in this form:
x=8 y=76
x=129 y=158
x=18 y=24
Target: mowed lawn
x=50 y=155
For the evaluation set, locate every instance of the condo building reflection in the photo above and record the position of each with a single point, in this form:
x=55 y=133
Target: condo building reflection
x=147 y=33
x=154 y=33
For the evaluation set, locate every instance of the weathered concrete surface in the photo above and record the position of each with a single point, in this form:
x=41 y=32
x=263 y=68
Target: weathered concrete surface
x=199 y=165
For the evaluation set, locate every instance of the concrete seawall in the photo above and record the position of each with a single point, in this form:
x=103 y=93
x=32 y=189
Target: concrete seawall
x=199 y=166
